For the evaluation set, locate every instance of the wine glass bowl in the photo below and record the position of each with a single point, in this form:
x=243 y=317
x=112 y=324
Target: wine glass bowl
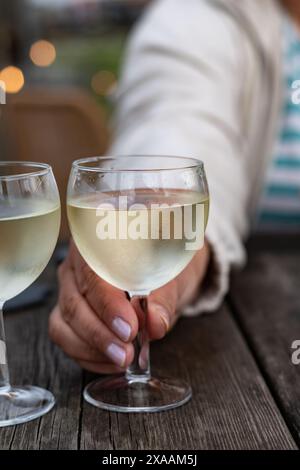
x=138 y=221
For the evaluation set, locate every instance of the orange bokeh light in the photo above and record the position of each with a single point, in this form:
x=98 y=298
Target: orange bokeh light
x=103 y=82
x=13 y=78
x=42 y=53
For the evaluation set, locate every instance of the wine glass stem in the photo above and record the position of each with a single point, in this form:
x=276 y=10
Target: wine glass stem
x=139 y=369
x=4 y=373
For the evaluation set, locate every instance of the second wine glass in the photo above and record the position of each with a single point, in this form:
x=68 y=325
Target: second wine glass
x=29 y=226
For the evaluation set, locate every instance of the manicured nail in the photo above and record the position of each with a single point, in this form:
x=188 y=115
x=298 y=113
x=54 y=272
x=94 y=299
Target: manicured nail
x=121 y=328
x=116 y=354
x=164 y=315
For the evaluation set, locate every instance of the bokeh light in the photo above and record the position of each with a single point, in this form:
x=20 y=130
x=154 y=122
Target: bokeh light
x=42 y=53
x=103 y=82
x=13 y=78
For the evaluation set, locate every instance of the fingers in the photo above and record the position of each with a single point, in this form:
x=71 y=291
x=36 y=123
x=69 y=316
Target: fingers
x=162 y=307
x=109 y=303
x=69 y=342
x=86 y=356
x=86 y=325
x=95 y=323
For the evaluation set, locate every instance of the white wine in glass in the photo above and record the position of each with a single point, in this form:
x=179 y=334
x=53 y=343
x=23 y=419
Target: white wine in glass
x=26 y=244
x=29 y=227
x=130 y=263
x=138 y=221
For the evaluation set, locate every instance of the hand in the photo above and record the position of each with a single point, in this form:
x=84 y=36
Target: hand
x=95 y=323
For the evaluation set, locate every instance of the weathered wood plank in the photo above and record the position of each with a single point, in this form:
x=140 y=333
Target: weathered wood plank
x=231 y=408
x=266 y=300
x=34 y=360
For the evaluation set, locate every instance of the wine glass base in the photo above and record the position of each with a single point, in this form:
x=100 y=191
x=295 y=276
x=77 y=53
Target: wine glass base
x=22 y=404
x=119 y=394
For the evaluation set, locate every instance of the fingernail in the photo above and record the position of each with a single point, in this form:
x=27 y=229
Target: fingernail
x=121 y=328
x=164 y=315
x=116 y=354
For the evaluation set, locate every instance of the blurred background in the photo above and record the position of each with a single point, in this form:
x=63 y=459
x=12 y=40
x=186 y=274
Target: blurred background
x=60 y=63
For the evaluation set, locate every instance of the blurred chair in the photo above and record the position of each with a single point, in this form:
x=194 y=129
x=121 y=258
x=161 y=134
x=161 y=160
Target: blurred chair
x=56 y=126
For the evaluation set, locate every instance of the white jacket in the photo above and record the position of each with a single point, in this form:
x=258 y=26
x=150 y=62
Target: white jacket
x=203 y=78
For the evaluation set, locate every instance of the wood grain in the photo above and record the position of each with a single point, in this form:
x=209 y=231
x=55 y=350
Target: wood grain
x=231 y=407
x=266 y=301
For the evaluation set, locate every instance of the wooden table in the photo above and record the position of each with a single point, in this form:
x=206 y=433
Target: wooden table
x=238 y=360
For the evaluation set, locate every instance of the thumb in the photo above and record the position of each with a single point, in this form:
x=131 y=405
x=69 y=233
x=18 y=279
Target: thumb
x=161 y=315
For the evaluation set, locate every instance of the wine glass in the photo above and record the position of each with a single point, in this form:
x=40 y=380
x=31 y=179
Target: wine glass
x=138 y=221
x=29 y=226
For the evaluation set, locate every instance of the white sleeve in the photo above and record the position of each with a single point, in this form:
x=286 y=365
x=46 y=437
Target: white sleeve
x=180 y=94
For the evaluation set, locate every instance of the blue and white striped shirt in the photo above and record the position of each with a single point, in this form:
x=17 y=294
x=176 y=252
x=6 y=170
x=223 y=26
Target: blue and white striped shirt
x=280 y=202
